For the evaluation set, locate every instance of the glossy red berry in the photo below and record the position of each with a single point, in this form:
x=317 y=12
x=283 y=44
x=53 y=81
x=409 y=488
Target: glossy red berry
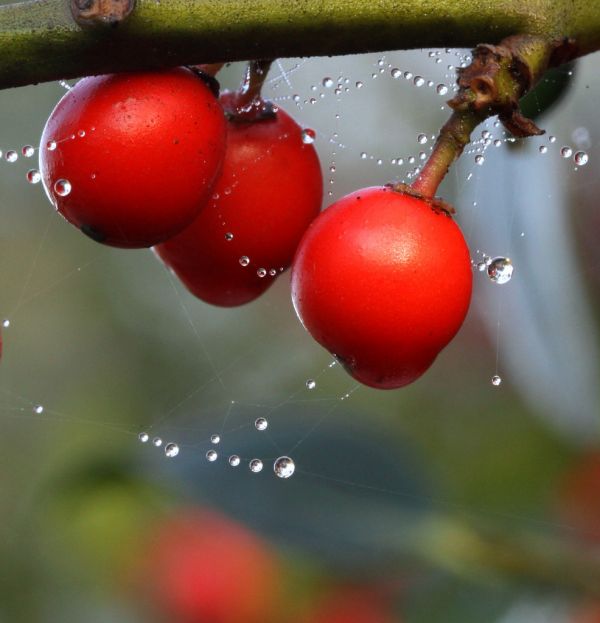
x=130 y=159
x=383 y=281
x=202 y=566
x=270 y=190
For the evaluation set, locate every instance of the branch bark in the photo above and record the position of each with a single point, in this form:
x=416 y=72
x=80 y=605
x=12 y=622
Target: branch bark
x=40 y=41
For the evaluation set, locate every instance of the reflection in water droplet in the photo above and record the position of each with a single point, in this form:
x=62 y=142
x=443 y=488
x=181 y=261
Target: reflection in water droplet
x=171 y=450
x=211 y=456
x=256 y=465
x=500 y=270
x=496 y=380
x=143 y=437
x=62 y=187
x=284 y=467
x=234 y=460
x=261 y=423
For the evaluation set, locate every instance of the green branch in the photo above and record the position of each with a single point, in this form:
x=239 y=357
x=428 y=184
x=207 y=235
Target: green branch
x=40 y=40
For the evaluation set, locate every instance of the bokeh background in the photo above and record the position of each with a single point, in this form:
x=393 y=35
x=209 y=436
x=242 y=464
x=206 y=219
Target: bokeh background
x=449 y=500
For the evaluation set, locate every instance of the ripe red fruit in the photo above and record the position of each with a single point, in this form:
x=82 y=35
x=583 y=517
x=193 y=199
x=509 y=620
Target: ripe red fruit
x=203 y=566
x=270 y=190
x=130 y=159
x=382 y=280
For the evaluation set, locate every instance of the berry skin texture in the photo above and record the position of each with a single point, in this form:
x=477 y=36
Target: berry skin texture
x=140 y=151
x=383 y=281
x=203 y=566
x=270 y=190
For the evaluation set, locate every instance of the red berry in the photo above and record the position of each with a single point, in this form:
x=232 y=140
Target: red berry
x=383 y=281
x=205 y=567
x=270 y=190
x=130 y=159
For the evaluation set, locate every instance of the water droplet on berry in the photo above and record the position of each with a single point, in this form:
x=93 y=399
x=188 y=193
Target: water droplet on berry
x=229 y=236
x=171 y=450
x=284 y=467
x=11 y=155
x=261 y=423
x=51 y=145
x=581 y=158
x=261 y=272
x=234 y=460
x=256 y=465
x=33 y=176
x=496 y=380
x=62 y=187
x=500 y=270
x=308 y=136
x=212 y=456
x=244 y=260
x=28 y=151
x=143 y=437
x=272 y=272
x=81 y=133
x=157 y=441
x=215 y=438
x=566 y=152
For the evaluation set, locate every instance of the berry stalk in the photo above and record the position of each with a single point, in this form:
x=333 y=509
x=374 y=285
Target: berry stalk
x=249 y=93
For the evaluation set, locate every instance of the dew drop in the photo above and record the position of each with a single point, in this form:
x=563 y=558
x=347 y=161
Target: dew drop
x=212 y=456
x=441 y=89
x=485 y=134
x=215 y=438
x=284 y=467
x=6 y=323
x=51 y=145
x=363 y=155
x=422 y=139
x=143 y=437
x=327 y=83
x=496 y=380
x=256 y=465
x=419 y=81
x=479 y=159
x=311 y=384
x=244 y=260
x=552 y=139
x=234 y=460
x=229 y=236
x=261 y=423
x=497 y=142
x=261 y=272
x=62 y=187
x=359 y=85
x=11 y=155
x=308 y=136
x=408 y=75
x=396 y=73
x=28 y=151
x=157 y=441
x=543 y=149
x=500 y=270
x=33 y=176
x=566 y=152
x=272 y=272
x=581 y=158
x=38 y=409
x=81 y=133
x=171 y=450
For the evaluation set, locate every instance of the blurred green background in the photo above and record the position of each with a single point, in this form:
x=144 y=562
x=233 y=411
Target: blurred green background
x=447 y=498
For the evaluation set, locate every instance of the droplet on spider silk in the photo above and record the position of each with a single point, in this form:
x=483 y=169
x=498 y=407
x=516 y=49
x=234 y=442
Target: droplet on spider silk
x=11 y=155
x=143 y=437
x=211 y=456
x=500 y=270
x=396 y=73
x=6 y=323
x=327 y=82
x=441 y=89
x=261 y=423
x=543 y=149
x=62 y=187
x=255 y=465
x=157 y=441
x=419 y=81
x=581 y=158
x=496 y=380
x=244 y=260
x=33 y=176
x=272 y=272
x=229 y=236
x=479 y=159
x=308 y=136
x=215 y=439
x=422 y=139
x=284 y=467
x=28 y=151
x=566 y=151
x=311 y=384
x=234 y=460
x=171 y=450
x=51 y=145
x=481 y=266
x=38 y=409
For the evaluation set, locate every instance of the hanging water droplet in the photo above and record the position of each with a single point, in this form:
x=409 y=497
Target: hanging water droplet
x=396 y=73
x=284 y=467
x=500 y=270
x=261 y=423
x=212 y=456
x=171 y=450
x=419 y=81
x=422 y=139
x=479 y=159
x=51 y=145
x=215 y=438
x=244 y=260
x=496 y=380
x=543 y=149
x=6 y=323
x=11 y=155
x=408 y=75
x=311 y=384
x=441 y=89
x=229 y=236
x=308 y=135
x=38 y=409
x=157 y=441
x=33 y=176
x=581 y=158
x=62 y=187
x=327 y=82
x=143 y=437
x=256 y=465
x=363 y=155
x=566 y=152
x=28 y=151
x=234 y=460
x=261 y=272
x=552 y=139
x=359 y=85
